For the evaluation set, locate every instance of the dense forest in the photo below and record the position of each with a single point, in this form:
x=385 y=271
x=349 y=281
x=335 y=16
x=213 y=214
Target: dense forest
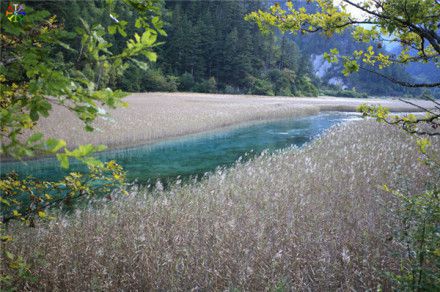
x=210 y=47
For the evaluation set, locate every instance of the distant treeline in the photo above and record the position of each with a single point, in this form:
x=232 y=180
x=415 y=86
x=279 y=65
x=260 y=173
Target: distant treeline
x=211 y=48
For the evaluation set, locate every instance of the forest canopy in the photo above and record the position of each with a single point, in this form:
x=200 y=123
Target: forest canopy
x=210 y=47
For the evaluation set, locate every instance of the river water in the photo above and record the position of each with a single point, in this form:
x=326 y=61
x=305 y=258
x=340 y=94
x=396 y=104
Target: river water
x=195 y=155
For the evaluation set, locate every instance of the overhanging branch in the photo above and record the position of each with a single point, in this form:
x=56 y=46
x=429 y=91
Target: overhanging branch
x=402 y=83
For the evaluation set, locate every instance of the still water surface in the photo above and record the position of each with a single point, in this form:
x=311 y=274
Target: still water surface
x=196 y=155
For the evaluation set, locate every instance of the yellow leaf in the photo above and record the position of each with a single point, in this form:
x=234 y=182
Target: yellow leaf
x=9 y=255
x=5 y=238
x=41 y=214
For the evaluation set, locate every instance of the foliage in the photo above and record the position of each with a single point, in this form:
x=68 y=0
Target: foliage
x=311 y=218
x=425 y=125
x=419 y=214
x=211 y=39
x=186 y=82
x=31 y=81
x=231 y=90
x=27 y=199
x=34 y=76
x=260 y=86
x=154 y=80
x=131 y=82
x=344 y=93
x=305 y=87
x=411 y=23
x=376 y=85
x=282 y=81
x=208 y=86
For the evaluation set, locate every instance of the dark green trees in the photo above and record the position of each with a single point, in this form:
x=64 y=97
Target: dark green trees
x=210 y=40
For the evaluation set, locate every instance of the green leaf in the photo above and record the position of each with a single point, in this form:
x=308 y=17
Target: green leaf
x=53 y=145
x=91 y=161
x=142 y=65
x=9 y=255
x=35 y=137
x=100 y=148
x=5 y=238
x=334 y=51
x=5 y=202
x=152 y=56
x=34 y=115
x=88 y=128
x=84 y=150
x=122 y=31
x=138 y=23
x=111 y=29
x=64 y=160
x=423 y=144
x=66 y=46
x=155 y=20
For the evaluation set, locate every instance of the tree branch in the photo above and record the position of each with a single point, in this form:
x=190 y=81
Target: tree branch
x=429 y=35
x=417 y=106
x=400 y=82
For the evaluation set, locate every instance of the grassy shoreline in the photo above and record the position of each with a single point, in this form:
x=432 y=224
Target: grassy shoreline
x=313 y=218
x=168 y=116
x=155 y=117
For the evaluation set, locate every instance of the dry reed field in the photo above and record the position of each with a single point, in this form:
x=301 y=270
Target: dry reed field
x=150 y=117
x=302 y=219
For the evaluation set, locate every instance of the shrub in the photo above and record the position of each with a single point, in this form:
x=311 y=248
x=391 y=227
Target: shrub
x=231 y=90
x=345 y=93
x=419 y=215
x=261 y=86
x=282 y=81
x=206 y=86
x=305 y=87
x=186 y=82
x=173 y=83
x=131 y=80
x=284 y=92
x=155 y=80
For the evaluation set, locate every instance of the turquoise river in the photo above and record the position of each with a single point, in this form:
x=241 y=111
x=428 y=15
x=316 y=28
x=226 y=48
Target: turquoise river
x=196 y=155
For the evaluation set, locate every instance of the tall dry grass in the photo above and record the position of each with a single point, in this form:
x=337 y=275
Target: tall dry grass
x=150 y=117
x=302 y=219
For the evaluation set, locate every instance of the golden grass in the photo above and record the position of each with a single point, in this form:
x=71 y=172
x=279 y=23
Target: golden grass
x=303 y=219
x=155 y=116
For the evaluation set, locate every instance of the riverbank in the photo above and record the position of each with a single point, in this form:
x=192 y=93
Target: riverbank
x=197 y=154
x=153 y=117
x=314 y=218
